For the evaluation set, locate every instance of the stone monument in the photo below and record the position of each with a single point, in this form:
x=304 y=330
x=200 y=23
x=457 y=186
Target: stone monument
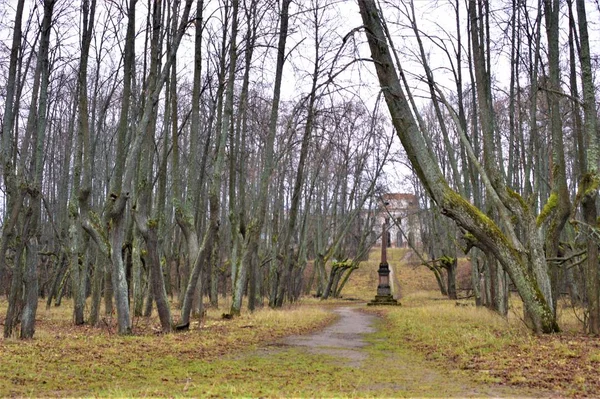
x=384 y=291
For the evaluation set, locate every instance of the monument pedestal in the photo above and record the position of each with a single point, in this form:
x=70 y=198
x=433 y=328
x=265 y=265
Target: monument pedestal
x=384 y=291
x=383 y=300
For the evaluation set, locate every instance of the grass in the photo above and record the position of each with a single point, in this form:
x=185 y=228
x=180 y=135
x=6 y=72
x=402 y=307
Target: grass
x=428 y=347
x=294 y=372
x=440 y=329
x=64 y=360
x=487 y=347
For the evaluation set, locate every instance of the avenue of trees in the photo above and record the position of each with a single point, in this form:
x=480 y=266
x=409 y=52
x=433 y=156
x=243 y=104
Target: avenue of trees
x=159 y=153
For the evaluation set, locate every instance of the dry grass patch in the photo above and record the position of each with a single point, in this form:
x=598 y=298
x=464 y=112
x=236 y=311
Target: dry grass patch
x=64 y=360
x=493 y=349
x=410 y=274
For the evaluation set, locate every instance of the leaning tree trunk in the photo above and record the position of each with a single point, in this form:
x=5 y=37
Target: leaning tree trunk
x=485 y=233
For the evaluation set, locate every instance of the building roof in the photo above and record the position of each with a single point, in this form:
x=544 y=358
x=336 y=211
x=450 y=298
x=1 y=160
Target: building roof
x=399 y=196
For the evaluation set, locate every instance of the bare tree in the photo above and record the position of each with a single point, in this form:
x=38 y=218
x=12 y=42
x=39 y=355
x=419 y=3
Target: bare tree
x=252 y=231
x=588 y=188
x=82 y=178
x=515 y=257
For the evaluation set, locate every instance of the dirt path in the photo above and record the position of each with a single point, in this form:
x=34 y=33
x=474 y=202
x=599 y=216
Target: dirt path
x=361 y=365
x=343 y=339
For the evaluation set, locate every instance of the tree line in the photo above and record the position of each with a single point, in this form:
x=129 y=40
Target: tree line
x=148 y=151
x=152 y=148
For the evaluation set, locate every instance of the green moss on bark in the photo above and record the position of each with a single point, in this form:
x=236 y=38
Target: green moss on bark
x=548 y=208
x=590 y=182
x=447 y=261
x=516 y=196
x=454 y=203
x=549 y=324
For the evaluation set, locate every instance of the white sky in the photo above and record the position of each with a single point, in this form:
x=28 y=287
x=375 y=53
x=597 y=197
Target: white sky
x=433 y=16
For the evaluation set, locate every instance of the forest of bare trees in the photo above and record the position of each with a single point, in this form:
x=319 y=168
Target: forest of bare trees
x=160 y=153
x=150 y=151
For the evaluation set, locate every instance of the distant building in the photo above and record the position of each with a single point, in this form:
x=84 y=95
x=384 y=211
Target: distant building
x=402 y=211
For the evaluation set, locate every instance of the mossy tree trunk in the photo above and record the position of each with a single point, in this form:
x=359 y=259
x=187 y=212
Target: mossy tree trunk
x=588 y=190
x=514 y=257
x=82 y=178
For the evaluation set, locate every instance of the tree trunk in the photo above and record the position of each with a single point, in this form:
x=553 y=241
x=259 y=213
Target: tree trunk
x=255 y=226
x=506 y=249
x=15 y=298
x=588 y=189
x=136 y=278
x=558 y=204
x=96 y=295
x=449 y=264
x=30 y=277
x=148 y=229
